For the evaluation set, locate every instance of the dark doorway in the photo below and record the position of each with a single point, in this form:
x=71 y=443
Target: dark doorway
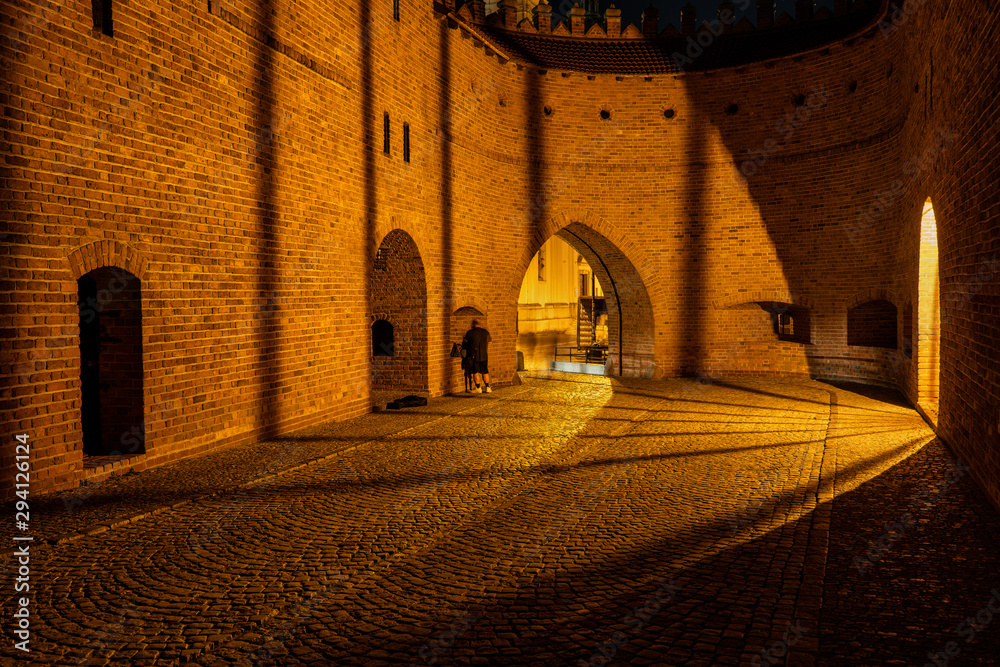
x=111 y=383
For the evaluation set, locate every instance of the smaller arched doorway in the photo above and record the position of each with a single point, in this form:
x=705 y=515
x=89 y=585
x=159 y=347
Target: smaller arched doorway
x=111 y=374
x=398 y=321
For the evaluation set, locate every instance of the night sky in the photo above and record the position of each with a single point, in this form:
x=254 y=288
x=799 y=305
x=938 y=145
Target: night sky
x=670 y=10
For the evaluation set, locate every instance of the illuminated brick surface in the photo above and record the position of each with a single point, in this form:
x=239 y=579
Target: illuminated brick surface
x=233 y=160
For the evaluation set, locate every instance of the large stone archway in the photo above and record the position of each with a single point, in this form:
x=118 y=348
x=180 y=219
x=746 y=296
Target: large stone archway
x=631 y=325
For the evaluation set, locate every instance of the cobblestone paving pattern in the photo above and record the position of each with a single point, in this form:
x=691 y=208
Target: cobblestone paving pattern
x=570 y=520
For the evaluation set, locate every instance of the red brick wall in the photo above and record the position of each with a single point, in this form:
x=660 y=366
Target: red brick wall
x=235 y=164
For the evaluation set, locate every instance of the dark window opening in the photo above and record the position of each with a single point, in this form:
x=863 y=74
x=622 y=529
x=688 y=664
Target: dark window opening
x=669 y=113
x=785 y=327
x=732 y=109
x=381 y=259
x=605 y=114
x=102 y=16
x=385 y=133
x=872 y=324
x=931 y=83
x=789 y=323
x=406 y=142
x=382 y=339
x=908 y=331
x=395 y=9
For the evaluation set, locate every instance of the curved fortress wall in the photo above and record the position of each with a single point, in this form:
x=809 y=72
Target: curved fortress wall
x=235 y=161
x=947 y=57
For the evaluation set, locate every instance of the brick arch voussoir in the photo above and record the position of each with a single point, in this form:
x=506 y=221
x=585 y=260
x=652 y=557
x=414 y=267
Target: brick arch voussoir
x=392 y=224
x=874 y=294
x=775 y=295
x=388 y=317
x=107 y=252
x=469 y=301
x=631 y=251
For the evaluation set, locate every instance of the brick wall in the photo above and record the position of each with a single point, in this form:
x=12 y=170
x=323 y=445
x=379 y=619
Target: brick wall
x=951 y=161
x=234 y=163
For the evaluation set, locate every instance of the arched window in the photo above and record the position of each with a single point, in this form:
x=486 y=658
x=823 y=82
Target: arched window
x=790 y=323
x=382 y=339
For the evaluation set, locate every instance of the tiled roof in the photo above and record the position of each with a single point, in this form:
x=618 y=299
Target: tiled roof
x=663 y=55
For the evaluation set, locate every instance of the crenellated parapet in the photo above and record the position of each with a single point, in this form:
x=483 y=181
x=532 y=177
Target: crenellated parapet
x=584 y=22
x=717 y=41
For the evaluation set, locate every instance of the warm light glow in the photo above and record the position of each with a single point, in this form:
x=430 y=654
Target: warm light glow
x=928 y=315
x=556 y=310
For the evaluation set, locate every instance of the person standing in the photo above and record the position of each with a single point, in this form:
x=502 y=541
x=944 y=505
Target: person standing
x=476 y=341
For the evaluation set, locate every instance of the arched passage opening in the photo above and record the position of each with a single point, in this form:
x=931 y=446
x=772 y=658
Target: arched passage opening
x=597 y=304
x=111 y=380
x=928 y=315
x=398 y=320
x=873 y=324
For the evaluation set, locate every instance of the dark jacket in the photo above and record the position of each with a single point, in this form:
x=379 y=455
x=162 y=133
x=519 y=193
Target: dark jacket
x=476 y=342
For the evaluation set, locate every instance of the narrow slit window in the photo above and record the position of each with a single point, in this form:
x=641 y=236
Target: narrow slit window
x=785 y=326
x=395 y=9
x=102 y=16
x=385 y=133
x=406 y=142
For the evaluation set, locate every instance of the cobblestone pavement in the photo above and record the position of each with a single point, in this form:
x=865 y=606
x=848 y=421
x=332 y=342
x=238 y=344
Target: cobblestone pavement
x=570 y=520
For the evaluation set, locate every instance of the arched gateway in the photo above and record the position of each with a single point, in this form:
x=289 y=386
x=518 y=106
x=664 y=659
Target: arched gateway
x=630 y=323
